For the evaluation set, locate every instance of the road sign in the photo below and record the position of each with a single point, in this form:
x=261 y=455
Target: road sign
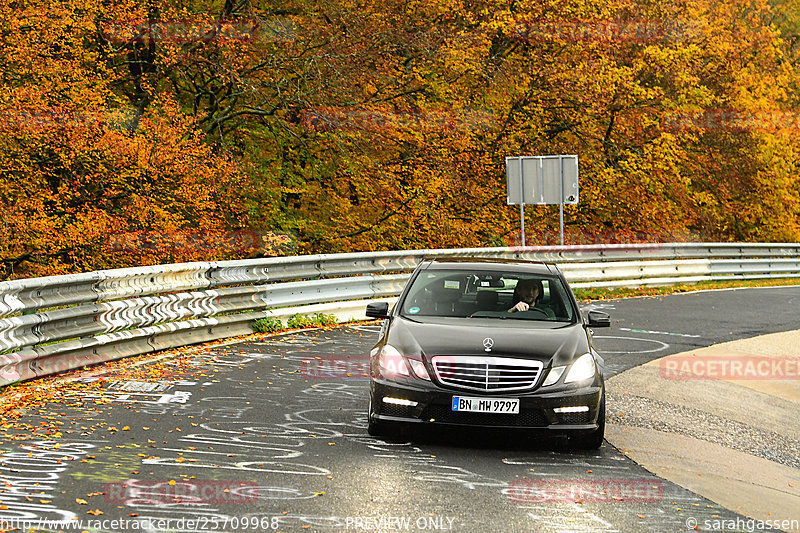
x=551 y=179
x=542 y=180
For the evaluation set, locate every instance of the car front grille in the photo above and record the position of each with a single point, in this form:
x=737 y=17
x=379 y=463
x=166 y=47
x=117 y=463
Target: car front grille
x=481 y=373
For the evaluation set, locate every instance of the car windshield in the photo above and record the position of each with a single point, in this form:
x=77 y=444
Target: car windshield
x=487 y=294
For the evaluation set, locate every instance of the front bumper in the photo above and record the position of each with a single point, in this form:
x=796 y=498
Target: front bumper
x=433 y=407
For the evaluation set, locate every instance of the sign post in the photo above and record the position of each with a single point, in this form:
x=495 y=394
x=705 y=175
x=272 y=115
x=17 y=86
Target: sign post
x=521 y=204
x=542 y=180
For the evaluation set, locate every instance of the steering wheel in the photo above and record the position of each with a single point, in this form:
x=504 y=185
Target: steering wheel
x=536 y=309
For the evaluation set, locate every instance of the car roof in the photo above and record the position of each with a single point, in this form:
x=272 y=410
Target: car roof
x=490 y=264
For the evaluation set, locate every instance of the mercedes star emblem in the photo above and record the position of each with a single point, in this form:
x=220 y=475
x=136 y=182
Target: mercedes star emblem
x=487 y=344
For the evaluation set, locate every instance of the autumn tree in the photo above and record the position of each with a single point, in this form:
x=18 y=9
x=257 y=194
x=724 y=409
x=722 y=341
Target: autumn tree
x=385 y=125
x=80 y=187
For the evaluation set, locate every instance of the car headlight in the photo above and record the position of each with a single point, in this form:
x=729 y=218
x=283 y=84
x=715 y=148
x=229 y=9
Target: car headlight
x=554 y=375
x=582 y=369
x=393 y=365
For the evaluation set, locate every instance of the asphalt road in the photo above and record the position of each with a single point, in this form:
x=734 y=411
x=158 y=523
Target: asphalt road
x=271 y=436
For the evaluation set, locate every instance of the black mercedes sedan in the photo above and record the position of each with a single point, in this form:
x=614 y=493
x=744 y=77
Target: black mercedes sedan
x=488 y=343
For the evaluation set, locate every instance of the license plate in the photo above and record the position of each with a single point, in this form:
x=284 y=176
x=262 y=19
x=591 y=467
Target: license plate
x=486 y=405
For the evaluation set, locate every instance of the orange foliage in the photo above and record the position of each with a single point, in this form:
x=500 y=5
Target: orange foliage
x=385 y=125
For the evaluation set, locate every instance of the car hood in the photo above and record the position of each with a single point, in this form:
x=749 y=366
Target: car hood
x=543 y=341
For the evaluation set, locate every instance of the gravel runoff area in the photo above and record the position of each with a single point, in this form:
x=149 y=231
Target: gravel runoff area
x=637 y=411
x=735 y=441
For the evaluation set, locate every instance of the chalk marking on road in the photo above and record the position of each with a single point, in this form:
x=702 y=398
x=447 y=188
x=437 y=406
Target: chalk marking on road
x=30 y=477
x=662 y=345
x=648 y=332
x=279 y=453
x=571 y=463
x=572 y=519
x=251 y=466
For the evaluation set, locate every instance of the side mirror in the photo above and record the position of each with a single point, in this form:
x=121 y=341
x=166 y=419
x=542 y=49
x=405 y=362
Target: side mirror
x=599 y=319
x=378 y=310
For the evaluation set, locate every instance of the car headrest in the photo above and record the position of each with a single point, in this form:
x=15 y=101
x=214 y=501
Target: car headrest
x=487 y=299
x=449 y=291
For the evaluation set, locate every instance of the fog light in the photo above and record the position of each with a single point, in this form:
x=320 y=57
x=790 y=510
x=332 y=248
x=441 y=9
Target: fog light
x=575 y=409
x=401 y=401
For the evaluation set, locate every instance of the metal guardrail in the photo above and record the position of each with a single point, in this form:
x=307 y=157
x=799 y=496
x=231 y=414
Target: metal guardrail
x=57 y=323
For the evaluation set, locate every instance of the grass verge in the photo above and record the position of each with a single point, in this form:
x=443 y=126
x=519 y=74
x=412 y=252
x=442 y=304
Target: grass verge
x=630 y=292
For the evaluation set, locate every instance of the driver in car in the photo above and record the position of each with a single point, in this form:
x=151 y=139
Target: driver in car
x=526 y=294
